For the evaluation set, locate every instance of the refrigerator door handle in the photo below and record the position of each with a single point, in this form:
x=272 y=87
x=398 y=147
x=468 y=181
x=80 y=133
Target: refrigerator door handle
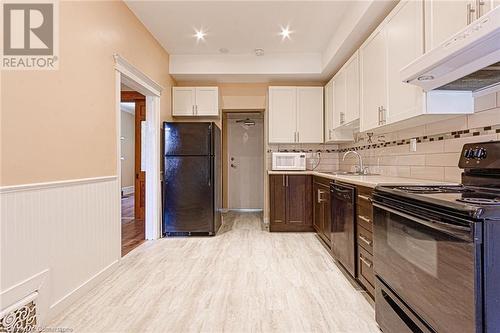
x=210 y=160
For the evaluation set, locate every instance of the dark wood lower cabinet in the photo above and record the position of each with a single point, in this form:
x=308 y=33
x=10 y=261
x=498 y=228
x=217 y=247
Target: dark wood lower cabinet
x=364 y=238
x=290 y=202
x=322 y=215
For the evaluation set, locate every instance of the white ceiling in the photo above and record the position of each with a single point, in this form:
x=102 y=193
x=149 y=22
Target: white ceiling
x=242 y=26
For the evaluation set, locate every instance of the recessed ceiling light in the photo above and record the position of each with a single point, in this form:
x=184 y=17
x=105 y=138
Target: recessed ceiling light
x=259 y=52
x=285 y=32
x=199 y=34
x=223 y=50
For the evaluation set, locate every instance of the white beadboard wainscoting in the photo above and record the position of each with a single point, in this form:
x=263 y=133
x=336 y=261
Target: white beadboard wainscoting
x=58 y=239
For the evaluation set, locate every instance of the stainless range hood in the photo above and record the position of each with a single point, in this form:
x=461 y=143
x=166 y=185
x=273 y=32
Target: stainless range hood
x=468 y=61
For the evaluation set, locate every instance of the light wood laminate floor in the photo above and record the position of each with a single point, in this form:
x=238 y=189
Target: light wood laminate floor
x=243 y=280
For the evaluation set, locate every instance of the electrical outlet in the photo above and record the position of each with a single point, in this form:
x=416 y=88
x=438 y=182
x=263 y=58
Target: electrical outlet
x=413 y=144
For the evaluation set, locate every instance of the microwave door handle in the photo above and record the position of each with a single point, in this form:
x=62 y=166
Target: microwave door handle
x=457 y=231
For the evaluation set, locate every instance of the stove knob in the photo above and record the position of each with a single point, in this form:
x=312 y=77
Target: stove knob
x=481 y=154
x=469 y=153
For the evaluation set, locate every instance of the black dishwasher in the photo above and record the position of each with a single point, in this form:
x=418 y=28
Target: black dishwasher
x=343 y=217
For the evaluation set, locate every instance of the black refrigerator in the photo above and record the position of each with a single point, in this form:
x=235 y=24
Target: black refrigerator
x=192 y=193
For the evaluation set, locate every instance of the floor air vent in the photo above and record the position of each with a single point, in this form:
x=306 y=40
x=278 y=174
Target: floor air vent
x=21 y=316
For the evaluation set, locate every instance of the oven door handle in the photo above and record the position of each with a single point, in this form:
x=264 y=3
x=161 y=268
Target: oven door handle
x=456 y=231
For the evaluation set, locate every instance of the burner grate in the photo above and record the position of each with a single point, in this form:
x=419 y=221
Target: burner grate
x=480 y=201
x=432 y=189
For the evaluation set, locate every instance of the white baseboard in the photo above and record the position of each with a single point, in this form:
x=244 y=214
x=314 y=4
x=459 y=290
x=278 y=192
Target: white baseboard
x=126 y=190
x=82 y=289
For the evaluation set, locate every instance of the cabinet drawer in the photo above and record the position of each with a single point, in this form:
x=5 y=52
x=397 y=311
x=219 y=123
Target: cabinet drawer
x=365 y=273
x=364 y=239
x=323 y=181
x=364 y=218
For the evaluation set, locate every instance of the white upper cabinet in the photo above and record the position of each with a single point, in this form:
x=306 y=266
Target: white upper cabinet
x=295 y=114
x=282 y=114
x=310 y=114
x=207 y=101
x=404 y=43
x=444 y=18
x=352 y=89
x=345 y=85
x=373 y=81
x=195 y=101
x=329 y=110
x=339 y=99
x=183 y=101
x=385 y=99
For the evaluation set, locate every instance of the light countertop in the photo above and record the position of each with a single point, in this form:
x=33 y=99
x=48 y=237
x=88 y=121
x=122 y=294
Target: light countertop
x=368 y=181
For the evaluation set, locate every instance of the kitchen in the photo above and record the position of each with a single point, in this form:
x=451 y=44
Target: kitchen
x=354 y=189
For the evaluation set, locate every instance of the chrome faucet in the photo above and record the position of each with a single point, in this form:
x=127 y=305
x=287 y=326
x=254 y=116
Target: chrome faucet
x=360 y=167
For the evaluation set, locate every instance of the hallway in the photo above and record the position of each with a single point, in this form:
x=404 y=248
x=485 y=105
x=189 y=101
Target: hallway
x=244 y=279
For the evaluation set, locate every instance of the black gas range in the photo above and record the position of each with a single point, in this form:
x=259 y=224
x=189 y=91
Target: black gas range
x=437 y=250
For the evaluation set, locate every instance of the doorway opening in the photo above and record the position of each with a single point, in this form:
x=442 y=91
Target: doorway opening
x=147 y=90
x=133 y=176
x=243 y=160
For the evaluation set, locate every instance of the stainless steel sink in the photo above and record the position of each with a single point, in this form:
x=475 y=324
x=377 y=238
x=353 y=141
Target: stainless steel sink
x=350 y=173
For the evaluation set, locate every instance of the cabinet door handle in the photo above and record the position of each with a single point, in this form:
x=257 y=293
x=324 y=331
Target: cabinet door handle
x=192 y=109
x=365 y=240
x=479 y=5
x=284 y=181
x=320 y=196
x=298 y=136
x=365 y=197
x=367 y=220
x=470 y=12
x=365 y=261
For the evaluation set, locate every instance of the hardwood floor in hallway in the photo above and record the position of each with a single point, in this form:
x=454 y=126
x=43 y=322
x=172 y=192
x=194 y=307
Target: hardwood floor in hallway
x=245 y=279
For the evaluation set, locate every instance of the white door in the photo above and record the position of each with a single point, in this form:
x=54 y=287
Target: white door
x=282 y=114
x=329 y=110
x=245 y=162
x=405 y=43
x=352 y=89
x=443 y=18
x=183 y=101
x=207 y=101
x=310 y=114
x=339 y=99
x=373 y=80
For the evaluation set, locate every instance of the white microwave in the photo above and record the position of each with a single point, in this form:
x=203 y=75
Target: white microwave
x=289 y=161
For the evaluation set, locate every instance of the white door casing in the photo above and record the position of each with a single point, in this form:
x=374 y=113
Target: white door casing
x=135 y=79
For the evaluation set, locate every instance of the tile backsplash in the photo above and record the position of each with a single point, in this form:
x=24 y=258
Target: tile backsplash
x=439 y=145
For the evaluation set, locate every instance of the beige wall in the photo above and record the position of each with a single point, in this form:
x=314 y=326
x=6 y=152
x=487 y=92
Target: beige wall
x=58 y=125
x=128 y=149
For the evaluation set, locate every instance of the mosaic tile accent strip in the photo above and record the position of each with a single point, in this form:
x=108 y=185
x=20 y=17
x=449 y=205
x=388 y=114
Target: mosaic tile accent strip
x=359 y=145
x=427 y=138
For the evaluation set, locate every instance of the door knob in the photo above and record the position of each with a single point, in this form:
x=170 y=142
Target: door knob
x=233 y=165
